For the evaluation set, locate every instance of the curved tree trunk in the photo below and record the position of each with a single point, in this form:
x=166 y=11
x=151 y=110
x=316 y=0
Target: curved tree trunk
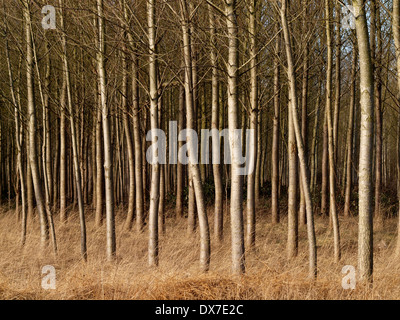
x=194 y=170
x=43 y=216
x=300 y=146
x=77 y=173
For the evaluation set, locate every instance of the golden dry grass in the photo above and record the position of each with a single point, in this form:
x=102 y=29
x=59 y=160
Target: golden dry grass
x=269 y=275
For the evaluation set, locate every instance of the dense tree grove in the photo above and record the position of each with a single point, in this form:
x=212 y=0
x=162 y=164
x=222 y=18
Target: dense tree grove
x=313 y=86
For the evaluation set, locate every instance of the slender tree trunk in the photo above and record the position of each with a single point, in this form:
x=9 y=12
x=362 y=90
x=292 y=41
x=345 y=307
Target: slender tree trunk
x=275 y=136
x=237 y=227
x=63 y=155
x=251 y=209
x=314 y=144
x=44 y=222
x=108 y=164
x=324 y=168
x=47 y=129
x=129 y=144
x=300 y=145
x=293 y=229
x=18 y=139
x=138 y=145
x=331 y=150
x=138 y=182
x=218 y=213
x=155 y=166
x=304 y=113
x=179 y=173
x=29 y=183
x=99 y=168
x=365 y=235
x=396 y=35
x=77 y=173
x=336 y=108
x=377 y=61
x=258 y=161
x=194 y=170
x=161 y=202
x=350 y=132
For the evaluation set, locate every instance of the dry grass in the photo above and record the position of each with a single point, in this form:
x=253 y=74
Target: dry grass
x=269 y=275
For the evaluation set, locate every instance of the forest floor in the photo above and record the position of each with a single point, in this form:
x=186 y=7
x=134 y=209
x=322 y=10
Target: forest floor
x=269 y=275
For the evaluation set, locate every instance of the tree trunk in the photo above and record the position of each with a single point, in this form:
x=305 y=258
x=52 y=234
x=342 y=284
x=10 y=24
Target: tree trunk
x=18 y=139
x=336 y=108
x=194 y=170
x=396 y=35
x=377 y=52
x=251 y=209
x=155 y=166
x=179 y=173
x=236 y=206
x=138 y=183
x=275 y=136
x=77 y=173
x=350 y=133
x=300 y=146
x=63 y=155
x=324 y=168
x=128 y=136
x=108 y=164
x=37 y=185
x=304 y=112
x=365 y=235
x=218 y=213
x=331 y=150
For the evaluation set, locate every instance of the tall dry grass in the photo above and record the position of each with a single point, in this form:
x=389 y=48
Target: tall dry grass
x=269 y=275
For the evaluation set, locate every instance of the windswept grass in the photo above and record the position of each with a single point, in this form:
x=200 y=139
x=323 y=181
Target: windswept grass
x=269 y=274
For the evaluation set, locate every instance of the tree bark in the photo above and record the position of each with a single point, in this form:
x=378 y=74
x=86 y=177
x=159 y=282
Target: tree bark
x=300 y=146
x=331 y=148
x=275 y=136
x=365 y=234
x=155 y=166
x=77 y=173
x=128 y=136
x=396 y=35
x=218 y=213
x=254 y=153
x=350 y=133
x=108 y=164
x=236 y=206
x=194 y=170
x=37 y=185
